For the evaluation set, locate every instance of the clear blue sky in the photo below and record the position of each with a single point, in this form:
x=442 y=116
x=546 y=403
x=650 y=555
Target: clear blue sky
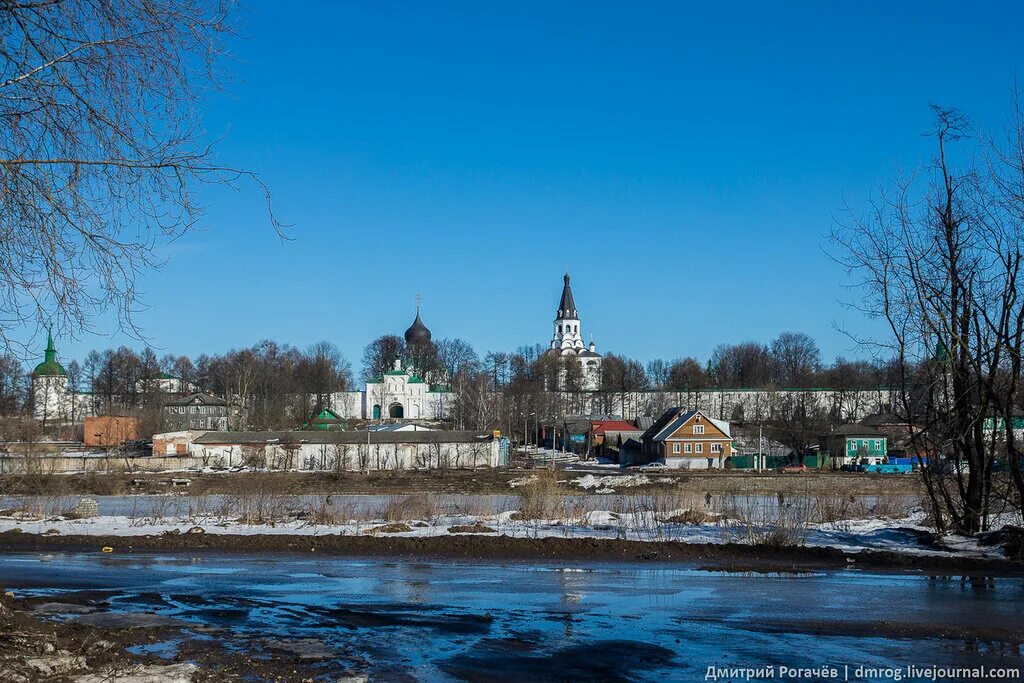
x=685 y=163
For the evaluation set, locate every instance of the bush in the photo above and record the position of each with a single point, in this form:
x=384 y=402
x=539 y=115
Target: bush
x=542 y=497
x=413 y=506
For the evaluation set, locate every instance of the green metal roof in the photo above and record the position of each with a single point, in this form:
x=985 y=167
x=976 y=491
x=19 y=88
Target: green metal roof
x=49 y=367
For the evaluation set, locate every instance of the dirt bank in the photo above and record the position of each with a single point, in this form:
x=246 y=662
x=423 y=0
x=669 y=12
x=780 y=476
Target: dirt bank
x=727 y=557
x=448 y=482
x=33 y=649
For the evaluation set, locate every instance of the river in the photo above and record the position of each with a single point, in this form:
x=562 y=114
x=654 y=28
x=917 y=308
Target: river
x=443 y=620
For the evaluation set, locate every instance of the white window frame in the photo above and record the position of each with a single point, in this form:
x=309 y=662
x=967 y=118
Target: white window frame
x=675 y=448
x=716 y=448
x=688 y=448
x=698 y=429
x=698 y=448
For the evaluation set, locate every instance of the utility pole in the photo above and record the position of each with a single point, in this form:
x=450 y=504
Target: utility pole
x=760 y=443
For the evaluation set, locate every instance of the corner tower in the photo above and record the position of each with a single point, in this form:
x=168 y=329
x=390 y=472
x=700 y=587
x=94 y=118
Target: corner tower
x=50 y=397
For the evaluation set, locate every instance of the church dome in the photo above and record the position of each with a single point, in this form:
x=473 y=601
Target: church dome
x=418 y=332
x=49 y=367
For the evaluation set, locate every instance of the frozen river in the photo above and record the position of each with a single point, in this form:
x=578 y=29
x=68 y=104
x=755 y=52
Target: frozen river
x=442 y=620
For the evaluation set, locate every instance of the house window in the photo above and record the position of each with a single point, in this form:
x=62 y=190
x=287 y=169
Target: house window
x=698 y=429
x=688 y=448
x=853 y=446
x=170 y=449
x=675 y=448
x=698 y=448
x=878 y=445
x=716 y=448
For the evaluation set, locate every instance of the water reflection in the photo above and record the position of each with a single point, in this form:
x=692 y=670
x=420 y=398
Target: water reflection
x=471 y=620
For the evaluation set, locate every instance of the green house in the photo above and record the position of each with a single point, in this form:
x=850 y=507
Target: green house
x=854 y=442
x=990 y=424
x=325 y=420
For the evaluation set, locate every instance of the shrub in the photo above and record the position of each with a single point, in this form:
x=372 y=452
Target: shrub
x=542 y=497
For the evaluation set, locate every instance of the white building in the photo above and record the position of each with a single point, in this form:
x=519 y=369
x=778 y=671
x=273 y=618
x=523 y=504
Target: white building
x=400 y=393
x=349 y=451
x=52 y=400
x=568 y=340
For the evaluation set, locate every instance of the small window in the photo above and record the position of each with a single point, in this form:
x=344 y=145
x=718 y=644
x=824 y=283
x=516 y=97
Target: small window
x=716 y=448
x=878 y=445
x=698 y=429
x=688 y=448
x=675 y=448
x=698 y=448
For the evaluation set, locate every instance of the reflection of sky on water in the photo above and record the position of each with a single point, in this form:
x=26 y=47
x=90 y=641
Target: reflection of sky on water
x=439 y=619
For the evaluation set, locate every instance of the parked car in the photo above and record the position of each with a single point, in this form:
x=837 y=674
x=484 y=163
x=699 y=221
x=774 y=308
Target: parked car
x=653 y=466
x=793 y=469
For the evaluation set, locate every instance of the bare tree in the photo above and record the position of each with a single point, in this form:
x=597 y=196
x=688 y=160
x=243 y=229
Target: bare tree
x=100 y=149
x=380 y=355
x=939 y=258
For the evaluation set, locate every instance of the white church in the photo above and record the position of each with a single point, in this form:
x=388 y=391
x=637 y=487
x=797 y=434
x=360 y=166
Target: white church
x=402 y=393
x=568 y=340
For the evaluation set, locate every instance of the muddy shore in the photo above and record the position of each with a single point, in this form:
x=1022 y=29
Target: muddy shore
x=725 y=557
x=494 y=481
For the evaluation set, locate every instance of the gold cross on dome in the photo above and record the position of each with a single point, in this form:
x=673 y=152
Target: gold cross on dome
x=419 y=300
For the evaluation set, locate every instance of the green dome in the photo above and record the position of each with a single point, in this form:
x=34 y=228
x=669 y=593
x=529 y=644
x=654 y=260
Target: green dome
x=49 y=367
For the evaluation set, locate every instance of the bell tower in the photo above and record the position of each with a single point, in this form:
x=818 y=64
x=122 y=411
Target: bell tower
x=568 y=337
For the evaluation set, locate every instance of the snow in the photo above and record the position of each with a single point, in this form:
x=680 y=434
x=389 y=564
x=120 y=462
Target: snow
x=604 y=484
x=900 y=536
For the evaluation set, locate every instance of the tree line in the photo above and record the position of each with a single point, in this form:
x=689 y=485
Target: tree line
x=267 y=377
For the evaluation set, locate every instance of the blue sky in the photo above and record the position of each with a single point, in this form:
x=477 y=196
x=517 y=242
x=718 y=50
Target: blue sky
x=684 y=162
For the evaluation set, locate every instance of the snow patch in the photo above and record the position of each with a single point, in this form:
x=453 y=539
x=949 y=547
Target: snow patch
x=604 y=484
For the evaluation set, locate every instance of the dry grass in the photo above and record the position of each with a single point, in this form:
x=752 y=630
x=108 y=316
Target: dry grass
x=689 y=517
x=889 y=507
x=541 y=498
x=259 y=505
x=415 y=506
x=834 y=508
x=786 y=524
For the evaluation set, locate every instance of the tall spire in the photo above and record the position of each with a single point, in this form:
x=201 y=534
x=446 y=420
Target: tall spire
x=567 y=307
x=51 y=351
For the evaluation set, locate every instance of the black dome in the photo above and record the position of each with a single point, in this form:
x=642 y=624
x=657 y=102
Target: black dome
x=418 y=332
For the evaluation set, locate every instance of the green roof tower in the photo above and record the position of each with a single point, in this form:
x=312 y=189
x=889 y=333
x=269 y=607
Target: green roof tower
x=49 y=367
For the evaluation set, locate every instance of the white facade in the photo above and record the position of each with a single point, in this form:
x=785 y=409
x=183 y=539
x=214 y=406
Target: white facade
x=441 y=450
x=400 y=394
x=567 y=340
x=52 y=400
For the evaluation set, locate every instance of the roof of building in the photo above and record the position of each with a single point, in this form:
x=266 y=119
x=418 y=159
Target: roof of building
x=417 y=332
x=644 y=421
x=566 y=305
x=350 y=438
x=853 y=430
x=623 y=439
x=49 y=367
x=587 y=353
x=603 y=426
x=676 y=417
x=881 y=419
x=199 y=398
x=401 y=427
